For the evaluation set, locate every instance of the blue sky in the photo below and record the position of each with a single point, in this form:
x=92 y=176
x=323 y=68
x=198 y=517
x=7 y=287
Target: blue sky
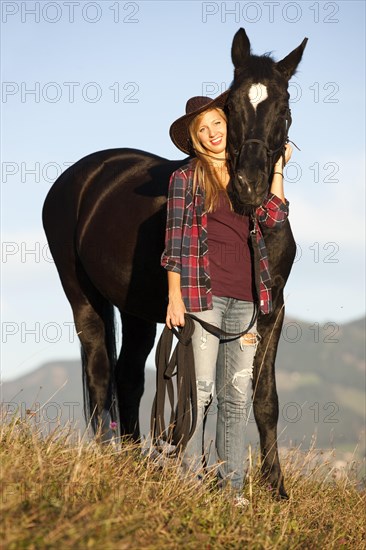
x=78 y=77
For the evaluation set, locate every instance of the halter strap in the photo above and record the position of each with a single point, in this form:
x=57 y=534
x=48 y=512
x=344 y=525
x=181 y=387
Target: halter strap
x=270 y=152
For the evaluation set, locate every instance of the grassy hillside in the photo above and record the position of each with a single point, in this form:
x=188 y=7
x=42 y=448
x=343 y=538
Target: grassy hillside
x=320 y=373
x=58 y=494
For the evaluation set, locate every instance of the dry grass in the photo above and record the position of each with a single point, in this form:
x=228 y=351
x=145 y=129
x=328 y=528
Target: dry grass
x=60 y=493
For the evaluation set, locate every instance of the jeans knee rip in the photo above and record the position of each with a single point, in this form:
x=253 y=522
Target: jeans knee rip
x=241 y=379
x=203 y=344
x=205 y=386
x=204 y=391
x=249 y=339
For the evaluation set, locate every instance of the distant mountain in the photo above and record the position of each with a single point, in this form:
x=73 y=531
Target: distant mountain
x=320 y=379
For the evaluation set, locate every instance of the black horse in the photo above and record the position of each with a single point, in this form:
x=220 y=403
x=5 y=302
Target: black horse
x=104 y=219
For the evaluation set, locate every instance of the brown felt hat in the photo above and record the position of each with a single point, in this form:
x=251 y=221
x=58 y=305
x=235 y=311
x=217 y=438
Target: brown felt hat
x=179 y=129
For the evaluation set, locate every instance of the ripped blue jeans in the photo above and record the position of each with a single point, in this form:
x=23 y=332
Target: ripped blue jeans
x=228 y=368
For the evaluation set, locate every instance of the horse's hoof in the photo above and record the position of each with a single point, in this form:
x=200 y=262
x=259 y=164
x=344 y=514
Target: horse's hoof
x=282 y=495
x=278 y=493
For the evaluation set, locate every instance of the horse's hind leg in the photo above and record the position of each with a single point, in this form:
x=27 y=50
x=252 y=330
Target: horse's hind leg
x=265 y=399
x=138 y=338
x=93 y=314
x=94 y=324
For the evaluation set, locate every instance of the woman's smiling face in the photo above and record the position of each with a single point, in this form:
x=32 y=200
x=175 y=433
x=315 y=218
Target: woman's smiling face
x=212 y=132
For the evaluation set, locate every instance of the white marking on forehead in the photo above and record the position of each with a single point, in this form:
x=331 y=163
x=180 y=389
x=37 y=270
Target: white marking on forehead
x=257 y=94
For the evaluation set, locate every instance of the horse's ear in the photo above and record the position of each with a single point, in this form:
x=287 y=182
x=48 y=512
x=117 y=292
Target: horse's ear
x=240 y=48
x=288 y=65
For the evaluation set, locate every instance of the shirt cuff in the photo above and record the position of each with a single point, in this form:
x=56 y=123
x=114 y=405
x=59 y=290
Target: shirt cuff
x=273 y=200
x=171 y=265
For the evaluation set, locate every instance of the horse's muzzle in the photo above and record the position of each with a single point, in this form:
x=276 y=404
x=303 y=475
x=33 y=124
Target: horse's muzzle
x=250 y=192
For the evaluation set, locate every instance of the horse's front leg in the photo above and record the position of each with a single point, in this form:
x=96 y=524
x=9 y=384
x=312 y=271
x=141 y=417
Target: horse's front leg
x=265 y=399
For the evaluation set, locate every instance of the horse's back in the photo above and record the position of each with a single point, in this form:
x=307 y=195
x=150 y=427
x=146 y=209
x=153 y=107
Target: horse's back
x=100 y=170
x=110 y=207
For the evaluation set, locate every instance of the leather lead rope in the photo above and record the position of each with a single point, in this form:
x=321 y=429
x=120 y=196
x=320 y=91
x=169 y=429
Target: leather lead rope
x=183 y=415
x=226 y=336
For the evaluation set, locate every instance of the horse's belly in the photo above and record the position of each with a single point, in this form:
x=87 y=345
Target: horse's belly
x=120 y=246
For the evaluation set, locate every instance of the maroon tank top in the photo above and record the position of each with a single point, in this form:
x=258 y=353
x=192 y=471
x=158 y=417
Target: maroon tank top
x=229 y=254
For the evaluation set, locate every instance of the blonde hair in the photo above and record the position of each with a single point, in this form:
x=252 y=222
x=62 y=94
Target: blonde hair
x=204 y=175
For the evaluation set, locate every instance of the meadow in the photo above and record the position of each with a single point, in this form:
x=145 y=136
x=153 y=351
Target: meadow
x=62 y=490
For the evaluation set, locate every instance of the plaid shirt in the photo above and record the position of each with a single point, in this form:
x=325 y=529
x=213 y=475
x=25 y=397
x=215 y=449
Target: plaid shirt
x=186 y=244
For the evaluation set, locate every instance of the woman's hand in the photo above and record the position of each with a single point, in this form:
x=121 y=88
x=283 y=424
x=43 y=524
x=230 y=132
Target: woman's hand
x=176 y=308
x=175 y=312
x=279 y=164
x=277 y=180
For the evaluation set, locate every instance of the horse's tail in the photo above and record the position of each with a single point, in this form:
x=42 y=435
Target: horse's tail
x=111 y=405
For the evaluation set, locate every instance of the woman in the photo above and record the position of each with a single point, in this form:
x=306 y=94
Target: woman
x=210 y=273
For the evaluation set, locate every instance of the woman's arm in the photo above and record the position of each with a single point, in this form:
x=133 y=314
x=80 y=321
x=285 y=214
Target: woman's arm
x=274 y=209
x=171 y=257
x=277 y=180
x=176 y=307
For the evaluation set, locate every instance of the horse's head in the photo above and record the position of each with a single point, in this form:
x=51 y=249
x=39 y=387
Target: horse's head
x=259 y=118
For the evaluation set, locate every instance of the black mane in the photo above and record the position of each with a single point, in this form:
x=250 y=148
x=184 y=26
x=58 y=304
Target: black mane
x=259 y=67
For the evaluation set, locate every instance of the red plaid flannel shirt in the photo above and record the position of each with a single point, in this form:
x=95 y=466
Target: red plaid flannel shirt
x=186 y=248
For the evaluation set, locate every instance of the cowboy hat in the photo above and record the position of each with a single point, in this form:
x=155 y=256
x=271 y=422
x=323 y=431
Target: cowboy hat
x=179 y=133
